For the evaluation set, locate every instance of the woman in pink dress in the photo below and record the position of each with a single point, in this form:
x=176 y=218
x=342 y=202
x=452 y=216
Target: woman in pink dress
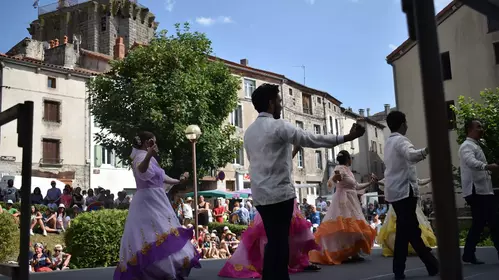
x=154 y=244
x=344 y=232
x=247 y=260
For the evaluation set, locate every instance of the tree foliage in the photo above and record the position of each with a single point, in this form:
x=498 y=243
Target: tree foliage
x=164 y=87
x=485 y=110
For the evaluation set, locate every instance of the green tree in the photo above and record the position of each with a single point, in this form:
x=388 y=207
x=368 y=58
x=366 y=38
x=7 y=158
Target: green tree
x=164 y=87
x=485 y=110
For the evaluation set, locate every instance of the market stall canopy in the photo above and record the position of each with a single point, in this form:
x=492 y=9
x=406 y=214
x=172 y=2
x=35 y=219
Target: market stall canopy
x=217 y=193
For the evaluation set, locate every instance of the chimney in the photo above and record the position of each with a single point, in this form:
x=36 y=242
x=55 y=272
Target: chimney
x=361 y=112
x=244 y=62
x=368 y=112
x=387 y=109
x=52 y=44
x=65 y=40
x=56 y=42
x=350 y=109
x=119 y=49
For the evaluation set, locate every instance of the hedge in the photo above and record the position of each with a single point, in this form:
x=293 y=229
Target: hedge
x=9 y=237
x=93 y=240
x=219 y=227
x=41 y=207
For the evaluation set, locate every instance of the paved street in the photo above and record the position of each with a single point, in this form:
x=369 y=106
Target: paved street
x=376 y=267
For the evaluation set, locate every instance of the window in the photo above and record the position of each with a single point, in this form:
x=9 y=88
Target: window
x=102 y=155
x=51 y=151
x=291 y=91
x=307 y=104
x=451 y=115
x=329 y=104
x=330 y=124
x=496 y=51
x=318 y=159
x=249 y=87
x=299 y=158
x=376 y=132
x=317 y=129
x=374 y=146
x=239 y=157
x=299 y=124
x=103 y=24
x=380 y=148
x=492 y=25
x=337 y=124
x=236 y=117
x=334 y=107
x=319 y=100
x=51 y=82
x=446 y=66
x=51 y=111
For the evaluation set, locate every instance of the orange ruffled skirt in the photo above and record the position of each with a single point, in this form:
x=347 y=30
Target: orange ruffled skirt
x=344 y=232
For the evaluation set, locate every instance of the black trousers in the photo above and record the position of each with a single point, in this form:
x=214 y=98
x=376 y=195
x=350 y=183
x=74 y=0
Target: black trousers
x=408 y=231
x=483 y=213
x=276 y=221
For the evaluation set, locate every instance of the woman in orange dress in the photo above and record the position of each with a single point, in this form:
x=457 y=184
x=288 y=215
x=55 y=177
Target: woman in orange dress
x=344 y=232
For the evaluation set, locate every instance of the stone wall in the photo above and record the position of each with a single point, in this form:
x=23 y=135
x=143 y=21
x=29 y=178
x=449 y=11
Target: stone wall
x=81 y=172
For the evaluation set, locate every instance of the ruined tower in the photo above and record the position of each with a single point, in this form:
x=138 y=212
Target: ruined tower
x=96 y=24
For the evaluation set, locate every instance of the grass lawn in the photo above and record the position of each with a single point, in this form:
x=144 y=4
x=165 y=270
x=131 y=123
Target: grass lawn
x=48 y=242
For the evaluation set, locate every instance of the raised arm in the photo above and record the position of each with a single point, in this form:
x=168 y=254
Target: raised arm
x=412 y=155
x=299 y=137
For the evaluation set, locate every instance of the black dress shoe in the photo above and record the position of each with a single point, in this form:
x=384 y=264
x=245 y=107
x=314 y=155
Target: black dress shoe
x=472 y=260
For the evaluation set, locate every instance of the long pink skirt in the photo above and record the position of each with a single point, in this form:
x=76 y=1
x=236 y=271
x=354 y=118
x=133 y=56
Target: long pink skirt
x=247 y=260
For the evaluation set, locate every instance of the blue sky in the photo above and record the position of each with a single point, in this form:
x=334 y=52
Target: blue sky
x=342 y=43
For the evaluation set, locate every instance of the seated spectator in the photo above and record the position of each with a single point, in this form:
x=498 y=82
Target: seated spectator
x=376 y=222
x=36 y=220
x=122 y=202
x=66 y=198
x=41 y=262
x=91 y=198
x=53 y=196
x=314 y=216
x=76 y=211
x=63 y=221
x=60 y=260
x=36 y=197
x=78 y=199
x=49 y=219
x=11 y=210
x=208 y=249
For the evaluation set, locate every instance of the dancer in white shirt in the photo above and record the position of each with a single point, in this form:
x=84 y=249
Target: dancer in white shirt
x=477 y=190
x=401 y=190
x=268 y=145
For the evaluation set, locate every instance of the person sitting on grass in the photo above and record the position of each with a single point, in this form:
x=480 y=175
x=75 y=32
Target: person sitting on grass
x=11 y=210
x=41 y=262
x=63 y=221
x=49 y=220
x=36 y=219
x=60 y=260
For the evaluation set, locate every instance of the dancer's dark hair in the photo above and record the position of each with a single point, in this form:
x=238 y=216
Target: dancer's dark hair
x=141 y=138
x=263 y=95
x=394 y=120
x=343 y=157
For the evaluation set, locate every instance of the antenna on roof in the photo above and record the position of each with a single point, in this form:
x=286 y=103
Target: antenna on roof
x=304 y=76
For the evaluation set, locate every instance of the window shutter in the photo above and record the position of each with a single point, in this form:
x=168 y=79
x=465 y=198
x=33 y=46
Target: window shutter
x=98 y=155
x=240 y=115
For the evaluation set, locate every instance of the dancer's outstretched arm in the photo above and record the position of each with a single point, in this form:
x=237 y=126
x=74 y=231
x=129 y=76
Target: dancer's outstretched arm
x=423 y=182
x=296 y=149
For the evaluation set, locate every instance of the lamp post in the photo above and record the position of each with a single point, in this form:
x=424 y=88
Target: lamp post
x=192 y=133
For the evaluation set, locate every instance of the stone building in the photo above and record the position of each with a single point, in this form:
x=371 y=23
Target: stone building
x=469 y=46
x=60 y=124
x=94 y=24
x=308 y=108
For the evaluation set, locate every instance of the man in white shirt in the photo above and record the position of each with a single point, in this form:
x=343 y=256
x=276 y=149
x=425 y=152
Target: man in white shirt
x=268 y=145
x=477 y=190
x=401 y=190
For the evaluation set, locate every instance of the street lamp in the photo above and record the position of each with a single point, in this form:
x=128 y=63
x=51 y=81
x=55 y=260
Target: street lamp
x=192 y=133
